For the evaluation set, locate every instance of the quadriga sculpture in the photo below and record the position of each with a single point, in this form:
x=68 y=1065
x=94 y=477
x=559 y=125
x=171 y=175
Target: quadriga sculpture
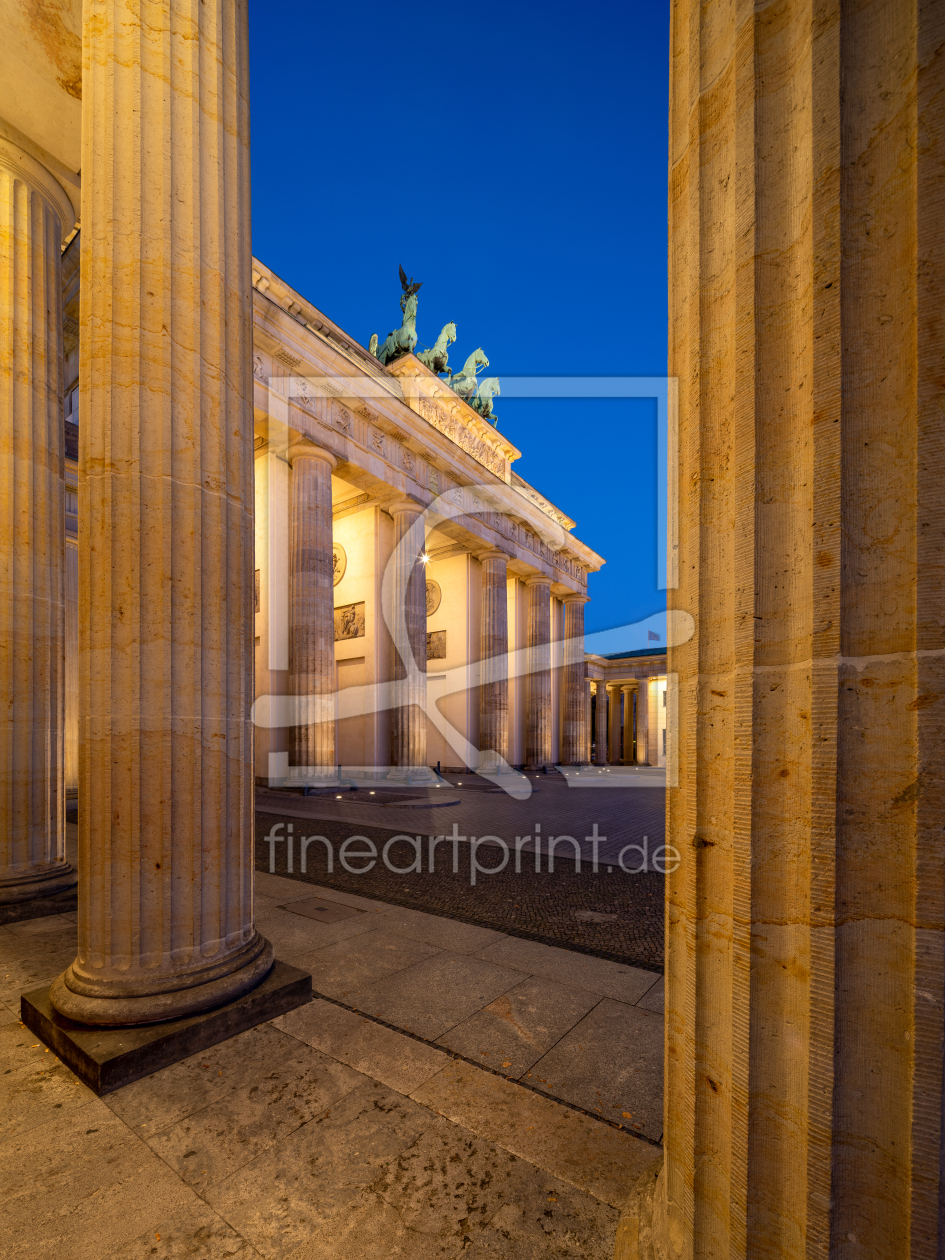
x=464 y=382
x=482 y=402
x=403 y=339
x=436 y=357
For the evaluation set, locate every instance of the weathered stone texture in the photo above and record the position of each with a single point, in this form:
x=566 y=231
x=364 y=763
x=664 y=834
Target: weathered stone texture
x=805 y=922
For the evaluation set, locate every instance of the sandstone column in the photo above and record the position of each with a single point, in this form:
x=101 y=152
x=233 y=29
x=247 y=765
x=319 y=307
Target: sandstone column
x=588 y=724
x=311 y=614
x=601 y=724
x=643 y=722
x=34 y=213
x=627 y=748
x=538 y=681
x=494 y=655
x=166 y=504
x=407 y=621
x=614 y=743
x=574 y=726
x=805 y=936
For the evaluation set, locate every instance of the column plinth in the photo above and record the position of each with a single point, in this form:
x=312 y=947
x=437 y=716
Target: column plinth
x=405 y=607
x=494 y=663
x=34 y=213
x=311 y=615
x=574 y=726
x=166 y=503
x=538 y=681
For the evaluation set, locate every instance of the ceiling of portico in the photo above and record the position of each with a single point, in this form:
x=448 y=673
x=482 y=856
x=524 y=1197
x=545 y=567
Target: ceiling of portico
x=41 y=76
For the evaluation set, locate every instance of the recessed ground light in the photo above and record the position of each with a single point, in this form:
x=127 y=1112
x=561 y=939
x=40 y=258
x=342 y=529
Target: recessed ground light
x=371 y=793
x=337 y=798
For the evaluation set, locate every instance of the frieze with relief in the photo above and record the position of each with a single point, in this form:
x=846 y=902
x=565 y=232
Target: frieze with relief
x=464 y=438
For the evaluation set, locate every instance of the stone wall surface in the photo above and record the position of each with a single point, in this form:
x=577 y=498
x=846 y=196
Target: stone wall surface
x=805 y=953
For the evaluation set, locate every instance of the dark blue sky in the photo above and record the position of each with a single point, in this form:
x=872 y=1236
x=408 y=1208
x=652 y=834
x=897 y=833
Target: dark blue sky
x=513 y=157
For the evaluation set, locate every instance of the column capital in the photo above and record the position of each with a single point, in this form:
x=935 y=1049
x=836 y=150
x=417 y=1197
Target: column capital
x=20 y=163
x=401 y=507
x=538 y=579
x=573 y=597
x=302 y=448
x=492 y=554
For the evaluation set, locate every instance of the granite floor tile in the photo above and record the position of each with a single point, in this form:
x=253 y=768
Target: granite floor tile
x=158 y=1101
x=195 y=1233
x=42 y=927
x=294 y=936
x=293 y=1086
x=593 y=1157
x=452 y=1193
x=343 y=970
x=378 y=1052
x=518 y=1027
x=611 y=1063
x=582 y=971
x=35 y=1087
x=434 y=929
x=436 y=994
x=280 y=888
x=79 y=1187
x=283 y=1197
x=655 y=998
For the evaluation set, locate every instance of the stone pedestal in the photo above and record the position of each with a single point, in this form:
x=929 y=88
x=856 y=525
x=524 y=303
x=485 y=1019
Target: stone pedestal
x=538 y=680
x=493 y=654
x=311 y=615
x=405 y=608
x=805 y=970
x=166 y=503
x=601 y=724
x=574 y=733
x=34 y=213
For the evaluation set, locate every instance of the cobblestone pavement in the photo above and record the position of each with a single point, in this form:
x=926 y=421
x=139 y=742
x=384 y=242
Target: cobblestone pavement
x=609 y=913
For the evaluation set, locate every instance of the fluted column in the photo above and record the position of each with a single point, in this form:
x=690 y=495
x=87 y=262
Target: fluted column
x=34 y=212
x=615 y=694
x=494 y=656
x=588 y=723
x=805 y=917
x=601 y=723
x=538 y=681
x=311 y=614
x=627 y=750
x=574 y=726
x=643 y=722
x=407 y=621
x=166 y=503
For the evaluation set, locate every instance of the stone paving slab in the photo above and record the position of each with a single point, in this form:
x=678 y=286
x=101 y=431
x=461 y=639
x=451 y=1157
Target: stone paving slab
x=596 y=975
x=381 y=1053
x=519 y=1026
x=292 y=1084
x=347 y=968
x=284 y=1196
x=611 y=1062
x=195 y=1233
x=592 y=1157
x=451 y=1193
x=436 y=994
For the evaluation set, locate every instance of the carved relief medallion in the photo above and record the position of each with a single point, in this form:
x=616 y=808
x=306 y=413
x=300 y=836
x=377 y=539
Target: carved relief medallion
x=434 y=596
x=339 y=562
x=349 y=622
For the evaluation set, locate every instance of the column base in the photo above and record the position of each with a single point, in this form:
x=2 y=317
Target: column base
x=72 y=998
x=105 y=1059
x=46 y=884
x=412 y=774
x=641 y=1229
x=64 y=902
